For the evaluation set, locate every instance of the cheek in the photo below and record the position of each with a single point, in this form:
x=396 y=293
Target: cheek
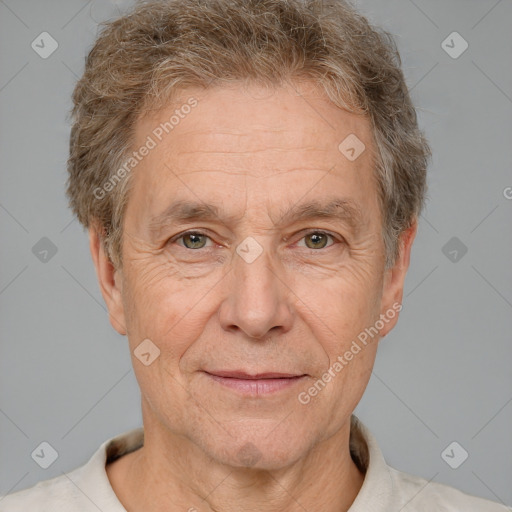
x=347 y=301
x=341 y=312
x=165 y=307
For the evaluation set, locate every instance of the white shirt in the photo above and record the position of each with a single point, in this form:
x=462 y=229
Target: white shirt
x=385 y=489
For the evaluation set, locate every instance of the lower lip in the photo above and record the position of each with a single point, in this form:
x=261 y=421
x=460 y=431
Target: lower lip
x=256 y=387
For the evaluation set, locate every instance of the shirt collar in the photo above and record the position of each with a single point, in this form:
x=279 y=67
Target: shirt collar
x=376 y=494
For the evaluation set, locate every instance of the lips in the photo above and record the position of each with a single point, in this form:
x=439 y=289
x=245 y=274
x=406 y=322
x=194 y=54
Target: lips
x=248 y=376
x=255 y=385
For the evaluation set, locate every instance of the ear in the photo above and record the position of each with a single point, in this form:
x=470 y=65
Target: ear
x=394 y=278
x=110 y=279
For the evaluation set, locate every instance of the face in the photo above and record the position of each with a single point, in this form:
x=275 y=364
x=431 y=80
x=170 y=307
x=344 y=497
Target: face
x=252 y=245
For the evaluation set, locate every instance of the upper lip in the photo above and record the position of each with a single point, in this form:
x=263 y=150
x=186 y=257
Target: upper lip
x=248 y=376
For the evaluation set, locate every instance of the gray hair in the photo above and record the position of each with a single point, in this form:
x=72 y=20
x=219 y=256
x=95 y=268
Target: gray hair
x=140 y=61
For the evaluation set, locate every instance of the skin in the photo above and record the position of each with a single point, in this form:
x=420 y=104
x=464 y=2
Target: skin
x=254 y=153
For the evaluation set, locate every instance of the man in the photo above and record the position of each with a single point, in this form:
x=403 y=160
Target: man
x=251 y=174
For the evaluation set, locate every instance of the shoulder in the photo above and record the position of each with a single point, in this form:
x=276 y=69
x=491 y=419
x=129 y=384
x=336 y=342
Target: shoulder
x=416 y=494
x=86 y=488
x=386 y=488
x=58 y=494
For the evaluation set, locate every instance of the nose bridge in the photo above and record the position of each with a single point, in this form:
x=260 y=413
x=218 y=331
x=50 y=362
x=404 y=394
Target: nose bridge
x=258 y=298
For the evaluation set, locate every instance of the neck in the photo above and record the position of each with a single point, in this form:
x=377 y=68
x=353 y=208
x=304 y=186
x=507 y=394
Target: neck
x=171 y=471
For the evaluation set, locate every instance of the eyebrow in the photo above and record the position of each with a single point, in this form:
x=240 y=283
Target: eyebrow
x=337 y=209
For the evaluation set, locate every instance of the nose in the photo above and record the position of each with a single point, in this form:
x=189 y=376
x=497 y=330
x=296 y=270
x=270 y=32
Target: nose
x=258 y=300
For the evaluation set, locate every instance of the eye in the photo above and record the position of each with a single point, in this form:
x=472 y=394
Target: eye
x=317 y=239
x=193 y=240
x=197 y=240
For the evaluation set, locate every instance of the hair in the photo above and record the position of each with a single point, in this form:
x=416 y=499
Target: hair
x=141 y=60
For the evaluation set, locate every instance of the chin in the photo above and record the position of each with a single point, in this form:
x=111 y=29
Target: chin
x=264 y=452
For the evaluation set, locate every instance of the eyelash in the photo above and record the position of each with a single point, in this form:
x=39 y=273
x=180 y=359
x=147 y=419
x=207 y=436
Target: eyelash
x=310 y=232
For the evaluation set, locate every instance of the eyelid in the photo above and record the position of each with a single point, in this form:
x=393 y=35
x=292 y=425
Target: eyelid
x=309 y=231
x=198 y=231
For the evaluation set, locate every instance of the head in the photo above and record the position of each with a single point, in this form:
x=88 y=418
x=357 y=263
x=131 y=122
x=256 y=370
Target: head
x=251 y=174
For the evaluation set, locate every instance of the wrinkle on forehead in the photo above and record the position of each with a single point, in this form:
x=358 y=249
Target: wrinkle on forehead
x=231 y=135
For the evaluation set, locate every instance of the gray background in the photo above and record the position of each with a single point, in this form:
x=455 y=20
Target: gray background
x=442 y=375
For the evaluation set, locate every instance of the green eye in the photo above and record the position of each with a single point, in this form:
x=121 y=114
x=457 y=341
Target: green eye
x=313 y=240
x=194 y=240
x=317 y=240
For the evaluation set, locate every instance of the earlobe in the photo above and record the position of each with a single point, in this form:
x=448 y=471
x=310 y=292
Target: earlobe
x=109 y=279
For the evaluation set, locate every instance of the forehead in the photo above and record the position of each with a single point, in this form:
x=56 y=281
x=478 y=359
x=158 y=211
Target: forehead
x=254 y=143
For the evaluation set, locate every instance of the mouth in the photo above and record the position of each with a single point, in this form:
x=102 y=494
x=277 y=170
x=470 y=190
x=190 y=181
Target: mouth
x=255 y=384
